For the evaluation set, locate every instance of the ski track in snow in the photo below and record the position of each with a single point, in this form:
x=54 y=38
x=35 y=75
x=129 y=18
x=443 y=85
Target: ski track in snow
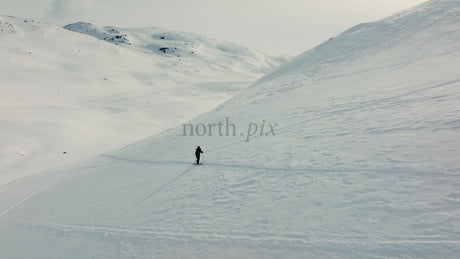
x=40 y=190
x=48 y=185
x=388 y=171
x=297 y=239
x=158 y=190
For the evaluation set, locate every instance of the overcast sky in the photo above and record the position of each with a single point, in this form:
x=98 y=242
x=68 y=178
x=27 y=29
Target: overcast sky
x=284 y=26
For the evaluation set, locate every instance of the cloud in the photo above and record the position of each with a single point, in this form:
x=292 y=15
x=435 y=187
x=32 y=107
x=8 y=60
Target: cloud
x=66 y=10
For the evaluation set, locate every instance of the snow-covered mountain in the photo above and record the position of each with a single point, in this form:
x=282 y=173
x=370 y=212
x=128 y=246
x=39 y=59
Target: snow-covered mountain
x=187 y=49
x=355 y=156
x=66 y=96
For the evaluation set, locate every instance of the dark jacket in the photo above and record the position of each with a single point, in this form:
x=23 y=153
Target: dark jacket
x=198 y=151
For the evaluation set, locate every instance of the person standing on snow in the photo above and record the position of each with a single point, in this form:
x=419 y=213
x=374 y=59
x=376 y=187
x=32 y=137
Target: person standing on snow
x=197 y=154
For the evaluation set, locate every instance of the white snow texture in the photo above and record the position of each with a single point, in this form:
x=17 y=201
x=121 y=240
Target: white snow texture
x=356 y=155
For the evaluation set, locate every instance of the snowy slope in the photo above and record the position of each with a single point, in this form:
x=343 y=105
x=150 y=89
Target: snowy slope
x=62 y=91
x=362 y=163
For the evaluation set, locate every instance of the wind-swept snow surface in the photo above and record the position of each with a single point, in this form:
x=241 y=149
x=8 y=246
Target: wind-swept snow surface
x=358 y=158
x=66 y=96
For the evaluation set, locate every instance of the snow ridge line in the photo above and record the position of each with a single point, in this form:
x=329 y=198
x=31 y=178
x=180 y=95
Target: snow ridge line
x=55 y=180
x=392 y=171
x=263 y=238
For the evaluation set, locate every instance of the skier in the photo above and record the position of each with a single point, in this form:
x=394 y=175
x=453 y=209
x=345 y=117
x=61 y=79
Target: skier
x=197 y=154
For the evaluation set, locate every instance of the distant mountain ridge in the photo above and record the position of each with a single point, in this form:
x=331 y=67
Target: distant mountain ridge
x=182 y=46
